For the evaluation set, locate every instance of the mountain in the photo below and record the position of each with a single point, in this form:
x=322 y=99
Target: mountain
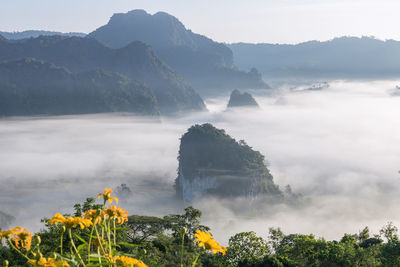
x=213 y=163
x=32 y=87
x=238 y=99
x=201 y=61
x=35 y=33
x=136 y=61
x=345 y=57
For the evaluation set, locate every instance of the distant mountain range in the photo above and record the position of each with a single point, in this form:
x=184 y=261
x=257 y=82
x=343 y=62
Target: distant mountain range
x=345 y=57
x=32 y=87
x=136 y=61
x=206 y=64
x=154 y=54
x=35 y=33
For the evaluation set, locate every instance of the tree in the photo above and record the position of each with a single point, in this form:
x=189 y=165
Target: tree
x=246 y=246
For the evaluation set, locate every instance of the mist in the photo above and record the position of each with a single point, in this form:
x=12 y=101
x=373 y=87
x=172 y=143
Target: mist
x=337 y=147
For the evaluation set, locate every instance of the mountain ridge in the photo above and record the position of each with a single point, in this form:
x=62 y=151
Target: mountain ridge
x=137 y=61
x=342 y=57
x=36 y=33
x=201 y=61
x=34 y=87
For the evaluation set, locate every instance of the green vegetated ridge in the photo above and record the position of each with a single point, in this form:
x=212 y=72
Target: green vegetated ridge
x=32 y=87
x=136 y=61
x=212 y=162
x=204 y=63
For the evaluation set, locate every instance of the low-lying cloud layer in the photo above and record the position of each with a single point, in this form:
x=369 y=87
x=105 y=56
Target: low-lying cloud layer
x=338 y=147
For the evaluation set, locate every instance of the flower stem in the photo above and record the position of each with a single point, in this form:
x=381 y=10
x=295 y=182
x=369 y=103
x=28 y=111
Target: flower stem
x=98 y=237
x=182 y=246
x=61 y=243
x=109 y=236
x=90 y=241
x=195 y=261
x=16 y=249
x=115 y=233
x=73 y=245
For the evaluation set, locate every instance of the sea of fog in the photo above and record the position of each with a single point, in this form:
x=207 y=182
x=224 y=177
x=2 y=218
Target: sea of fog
x=338 y=147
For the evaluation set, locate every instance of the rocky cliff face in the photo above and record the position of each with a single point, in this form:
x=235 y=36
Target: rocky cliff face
x=213 y=163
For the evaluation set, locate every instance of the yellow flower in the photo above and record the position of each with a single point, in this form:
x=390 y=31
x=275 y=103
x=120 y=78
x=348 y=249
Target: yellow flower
x=124 y=261
x=205 y=240
x=113 y=212
x=121 y=215
x=93 y=215
x=70 y=222
x=48 y=262
x=23 y=238
x=107 y=195
x=57 y=218
x=7 y=234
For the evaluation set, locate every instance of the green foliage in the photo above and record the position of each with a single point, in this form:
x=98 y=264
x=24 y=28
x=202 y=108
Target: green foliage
x=246 y=246
x=168 y=241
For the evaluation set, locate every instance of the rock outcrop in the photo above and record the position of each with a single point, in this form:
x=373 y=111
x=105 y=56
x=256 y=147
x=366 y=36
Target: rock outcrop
x=213 y=163
x=238 y=99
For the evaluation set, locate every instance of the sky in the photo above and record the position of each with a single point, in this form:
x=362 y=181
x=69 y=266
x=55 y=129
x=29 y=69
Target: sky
x=255 y=21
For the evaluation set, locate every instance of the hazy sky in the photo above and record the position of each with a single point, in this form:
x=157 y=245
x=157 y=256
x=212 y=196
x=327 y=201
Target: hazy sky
x=276 y=21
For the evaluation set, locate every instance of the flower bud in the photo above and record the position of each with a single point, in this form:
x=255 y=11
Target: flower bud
x=5 y=264
x=63 y=229
x=38 y=239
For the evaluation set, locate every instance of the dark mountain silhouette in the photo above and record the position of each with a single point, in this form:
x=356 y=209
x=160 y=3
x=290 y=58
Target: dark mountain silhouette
x=136 y=60
x=32 y=87
x=201 y=61
x=238 y=99
x=345 y=57
x=36 y=33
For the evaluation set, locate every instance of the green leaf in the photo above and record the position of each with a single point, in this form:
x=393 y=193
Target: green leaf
x=128 y=245
x=81 y=246
x=80 y=238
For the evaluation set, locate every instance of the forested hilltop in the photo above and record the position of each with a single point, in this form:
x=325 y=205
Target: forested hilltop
x=32 y=87
x=206 y=64
x=137 y=61
x=213 y=163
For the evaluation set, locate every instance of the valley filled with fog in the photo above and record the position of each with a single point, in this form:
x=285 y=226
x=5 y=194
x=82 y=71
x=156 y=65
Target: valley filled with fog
x=335 y=146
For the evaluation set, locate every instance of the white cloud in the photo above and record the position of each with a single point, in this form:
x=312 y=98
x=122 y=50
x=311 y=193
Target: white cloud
x=338 y=147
